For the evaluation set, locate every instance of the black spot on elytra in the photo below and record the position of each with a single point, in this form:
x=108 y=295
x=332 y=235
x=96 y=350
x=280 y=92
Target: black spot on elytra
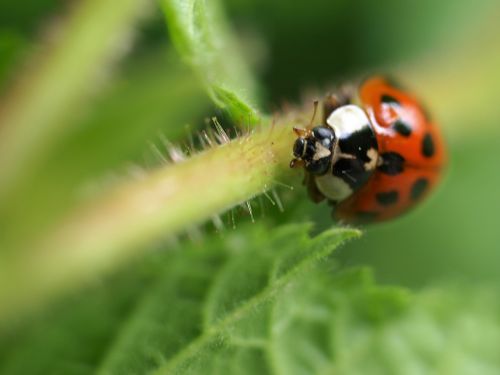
x=388 y=99
x=428 y=146
x=418 y=188
x=402 y=128
x=392 y=163
x=387 y=198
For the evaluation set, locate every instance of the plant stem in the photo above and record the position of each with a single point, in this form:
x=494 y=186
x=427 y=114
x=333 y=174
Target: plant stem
x=120 y=224
x=38 y=109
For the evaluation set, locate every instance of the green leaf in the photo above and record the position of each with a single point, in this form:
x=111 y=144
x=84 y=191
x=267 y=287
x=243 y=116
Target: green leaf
x=73 y=334
x=193 y=299
x=204 y=306
x=345 y=324
x=259 y=301
x=200 y=32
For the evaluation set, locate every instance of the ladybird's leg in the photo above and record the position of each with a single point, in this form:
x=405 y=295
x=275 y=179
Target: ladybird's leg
x=330 y=104
x=344 y=217
x=342 y=97
x=312 y=190
x=309 y=126
x=332 y=203
x=335 y=215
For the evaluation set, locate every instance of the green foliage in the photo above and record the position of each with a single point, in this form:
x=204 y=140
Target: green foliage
x=345 y=324
x=177 y=305
x=199 y=31
x=258 y=301
x=264 y=298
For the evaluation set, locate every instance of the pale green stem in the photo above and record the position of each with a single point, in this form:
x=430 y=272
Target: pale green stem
x=120 y=224
x=40 y=107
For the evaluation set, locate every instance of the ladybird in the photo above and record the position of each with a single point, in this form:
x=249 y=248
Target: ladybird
x=376 y=154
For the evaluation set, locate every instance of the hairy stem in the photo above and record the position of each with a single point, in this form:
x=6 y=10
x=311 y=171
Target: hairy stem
x=38 y=109
x=119 y=224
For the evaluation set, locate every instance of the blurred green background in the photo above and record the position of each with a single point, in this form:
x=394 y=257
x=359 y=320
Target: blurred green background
x=448 y=50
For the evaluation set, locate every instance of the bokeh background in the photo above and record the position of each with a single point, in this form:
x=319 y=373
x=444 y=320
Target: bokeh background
x=448 y=51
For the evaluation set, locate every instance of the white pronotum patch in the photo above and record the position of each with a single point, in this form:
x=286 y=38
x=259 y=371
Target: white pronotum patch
x=347 y=119
x=332 y=187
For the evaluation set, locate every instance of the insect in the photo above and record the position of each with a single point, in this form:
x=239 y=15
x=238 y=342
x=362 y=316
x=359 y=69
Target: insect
x=376 y=154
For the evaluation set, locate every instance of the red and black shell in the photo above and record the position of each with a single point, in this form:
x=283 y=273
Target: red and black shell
x=386 y=154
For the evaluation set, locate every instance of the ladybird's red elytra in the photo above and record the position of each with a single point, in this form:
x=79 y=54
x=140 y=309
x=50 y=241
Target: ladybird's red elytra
x=376 y=154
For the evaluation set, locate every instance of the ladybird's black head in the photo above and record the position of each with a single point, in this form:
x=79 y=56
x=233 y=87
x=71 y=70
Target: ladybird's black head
x=315 y=149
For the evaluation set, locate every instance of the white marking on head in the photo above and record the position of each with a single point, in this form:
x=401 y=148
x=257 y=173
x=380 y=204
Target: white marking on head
x=347 y=119
x=321 y=151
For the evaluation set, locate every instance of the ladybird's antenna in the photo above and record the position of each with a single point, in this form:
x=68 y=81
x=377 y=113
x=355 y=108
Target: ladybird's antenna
x=303 y=133
x=300 y=132
x=315 y=110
